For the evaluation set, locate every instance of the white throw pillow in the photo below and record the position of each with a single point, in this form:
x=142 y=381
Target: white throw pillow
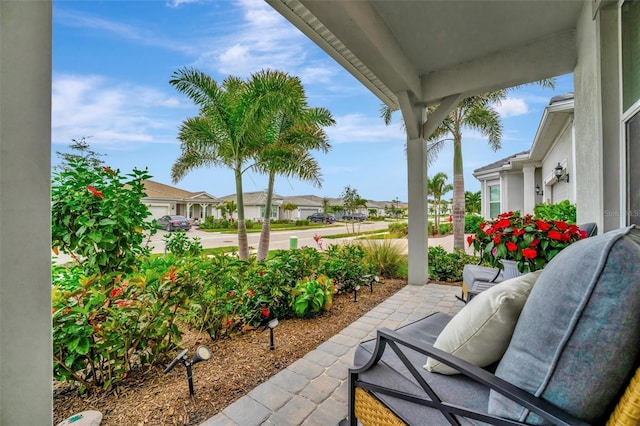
x=480 y=333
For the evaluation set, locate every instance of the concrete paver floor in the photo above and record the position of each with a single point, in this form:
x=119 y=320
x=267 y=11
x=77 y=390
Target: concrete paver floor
x=313 y=390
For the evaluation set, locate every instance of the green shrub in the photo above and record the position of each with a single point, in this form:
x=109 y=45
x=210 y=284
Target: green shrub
x=385 y=257
x=399 y=229
x=178 y=244
x=106 y=325
x=312 y=295
x=302 y=222
x=562 y=211
x=445 y=228
x=472 y=223
x=97 y=217
x=444 y=266
x=345 y=265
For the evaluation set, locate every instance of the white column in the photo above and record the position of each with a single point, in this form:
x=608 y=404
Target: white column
x=25 y=209
x=418 y=229
x=529 y=189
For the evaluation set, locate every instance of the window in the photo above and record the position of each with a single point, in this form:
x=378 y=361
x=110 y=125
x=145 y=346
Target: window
x=274 y=211
x=494 y=200
x=630 y=53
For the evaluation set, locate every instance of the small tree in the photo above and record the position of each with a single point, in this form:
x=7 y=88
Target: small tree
x=351 y=201
x=84 y=152
x=97 y=217
x=289 y=207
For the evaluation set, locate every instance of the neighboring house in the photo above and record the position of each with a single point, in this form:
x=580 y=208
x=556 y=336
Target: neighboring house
x=521 y=181
x=306 y=205
x=255 y=203
x=165 y=199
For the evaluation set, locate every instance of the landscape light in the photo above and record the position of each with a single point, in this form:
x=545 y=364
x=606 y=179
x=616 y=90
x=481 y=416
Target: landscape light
x=202 y=354
x=271 y=325
x=355 y=293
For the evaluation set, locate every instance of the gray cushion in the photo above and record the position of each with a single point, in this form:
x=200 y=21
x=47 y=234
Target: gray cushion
x=391 y=373
x=578 y=337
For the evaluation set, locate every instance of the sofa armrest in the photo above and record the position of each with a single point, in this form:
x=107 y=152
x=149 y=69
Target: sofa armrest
x=386 y=337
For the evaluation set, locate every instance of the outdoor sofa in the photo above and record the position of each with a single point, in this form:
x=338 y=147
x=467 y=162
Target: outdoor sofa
x=571 y=351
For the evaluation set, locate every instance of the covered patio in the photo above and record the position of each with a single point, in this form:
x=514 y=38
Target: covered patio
x=410 y=54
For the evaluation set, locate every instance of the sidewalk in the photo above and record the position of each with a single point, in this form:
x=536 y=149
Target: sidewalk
x=313 y=390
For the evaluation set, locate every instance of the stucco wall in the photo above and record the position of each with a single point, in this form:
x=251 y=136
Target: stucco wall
x=513 y=192
x=588 y=124
x=561 y=152
x=25 y=180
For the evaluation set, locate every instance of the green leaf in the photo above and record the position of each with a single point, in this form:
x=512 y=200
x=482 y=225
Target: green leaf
x=107 y=221
x=96 y=237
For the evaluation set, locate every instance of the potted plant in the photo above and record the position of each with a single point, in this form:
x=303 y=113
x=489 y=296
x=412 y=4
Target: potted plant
x=529 y=242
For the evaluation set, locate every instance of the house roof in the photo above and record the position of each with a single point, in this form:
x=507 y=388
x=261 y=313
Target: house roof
x=160 y=190
x=497 y=165
x=257 y=198
x=430 y=50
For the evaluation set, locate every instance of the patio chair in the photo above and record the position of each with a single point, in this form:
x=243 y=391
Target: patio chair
x=478 y=278
x=564 y=360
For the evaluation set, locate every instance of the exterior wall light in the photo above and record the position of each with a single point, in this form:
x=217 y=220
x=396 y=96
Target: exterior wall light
x=539 y=190
x=558 y=172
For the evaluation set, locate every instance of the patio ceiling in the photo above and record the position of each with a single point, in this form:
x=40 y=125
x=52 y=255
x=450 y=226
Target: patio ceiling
x=435 y=49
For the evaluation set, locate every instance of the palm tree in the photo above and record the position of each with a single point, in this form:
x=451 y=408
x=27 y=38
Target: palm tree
x=228 y=130
x=437 y=186
x=477 y=113
x=291 y=135
x=472 y=201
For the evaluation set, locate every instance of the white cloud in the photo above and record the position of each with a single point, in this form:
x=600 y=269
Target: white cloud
x=510 y=107
x=358 y=128
x=113 y=113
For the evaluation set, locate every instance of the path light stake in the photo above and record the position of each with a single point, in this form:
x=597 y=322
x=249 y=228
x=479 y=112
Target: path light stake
x=355 y=293
x=202 y=354
x=272 y=324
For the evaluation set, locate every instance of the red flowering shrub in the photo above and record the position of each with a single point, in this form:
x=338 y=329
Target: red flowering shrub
x=529 y=241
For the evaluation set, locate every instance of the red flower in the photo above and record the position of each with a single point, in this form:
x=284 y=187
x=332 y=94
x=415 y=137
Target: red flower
x=261 y=273
x=511 y=246
x=583 y=234
x=231 y=293
x=122 y=304
x=566 y=237
x=95 y=192
x=535 y=242
x=496 y=239
x=503 y=223
x=517 y=232
x=561 y=225
x=555 y=235
x=529 y=253
x=482 y=224
x=117 y=291
x=251 y=293
x=542 y=225
x=264 y=311
x=228 y=323
x=505 y=214
x=470 y=239
x=490 y=230
x=450 y=219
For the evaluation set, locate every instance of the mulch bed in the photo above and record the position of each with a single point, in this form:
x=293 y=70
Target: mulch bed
x=237 y=365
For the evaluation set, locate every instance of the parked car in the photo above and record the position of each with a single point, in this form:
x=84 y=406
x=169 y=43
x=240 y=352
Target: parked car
x=321 y=218
x=172 y=222
x=360 y=217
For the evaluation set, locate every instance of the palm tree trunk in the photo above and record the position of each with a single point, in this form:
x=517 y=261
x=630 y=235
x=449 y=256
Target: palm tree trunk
x=458 y=194
x=265 y=234
x=243 y=242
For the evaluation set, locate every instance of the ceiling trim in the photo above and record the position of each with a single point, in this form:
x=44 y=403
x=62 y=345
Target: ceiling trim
x=544 y=58
x=296 y=13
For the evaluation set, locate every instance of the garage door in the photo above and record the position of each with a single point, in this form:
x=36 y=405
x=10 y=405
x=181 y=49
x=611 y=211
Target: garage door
x=307 y=212
x=559 y=192
x=158 y=210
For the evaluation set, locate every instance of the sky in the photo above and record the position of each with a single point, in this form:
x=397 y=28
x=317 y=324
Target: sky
x=112 y=62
